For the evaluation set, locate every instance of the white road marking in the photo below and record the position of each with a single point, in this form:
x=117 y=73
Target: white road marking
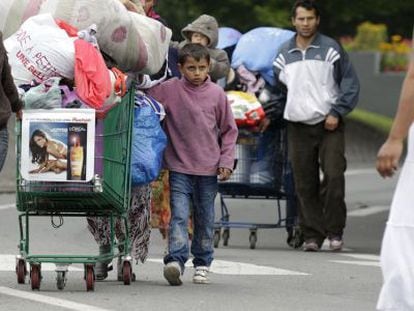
x=239 y=268
x=364 y=256
x=7 y=206
x=362 y=212
x=358 y=263
x=8 y=263
x=49 y=300
x=362 y=171
x=365 y=260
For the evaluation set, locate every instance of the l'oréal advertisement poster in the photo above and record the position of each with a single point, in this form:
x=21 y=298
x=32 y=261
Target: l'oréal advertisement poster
x=58 y=145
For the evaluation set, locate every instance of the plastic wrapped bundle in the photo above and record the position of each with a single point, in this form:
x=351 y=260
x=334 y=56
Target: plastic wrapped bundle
x=135 y=42
x=257 y=49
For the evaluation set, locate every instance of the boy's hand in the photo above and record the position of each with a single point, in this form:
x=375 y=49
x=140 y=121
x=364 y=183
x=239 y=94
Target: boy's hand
x=223 y=173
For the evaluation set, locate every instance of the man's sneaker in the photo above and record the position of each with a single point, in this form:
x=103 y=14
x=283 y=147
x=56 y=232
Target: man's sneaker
x=172 y=273
x=310 y=246
x=336 y=244
x=201 y=275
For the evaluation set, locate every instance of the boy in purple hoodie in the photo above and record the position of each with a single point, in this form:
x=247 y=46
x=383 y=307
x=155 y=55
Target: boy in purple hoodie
x=202 y=138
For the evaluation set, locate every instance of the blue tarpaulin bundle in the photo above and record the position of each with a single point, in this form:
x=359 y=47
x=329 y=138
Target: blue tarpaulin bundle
x=227 y=37
x=257 y=49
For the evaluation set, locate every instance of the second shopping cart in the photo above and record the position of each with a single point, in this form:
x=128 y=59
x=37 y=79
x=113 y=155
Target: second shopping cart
x=262 y=172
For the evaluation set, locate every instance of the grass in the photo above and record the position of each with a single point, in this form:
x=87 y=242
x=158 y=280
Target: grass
x=375 y=120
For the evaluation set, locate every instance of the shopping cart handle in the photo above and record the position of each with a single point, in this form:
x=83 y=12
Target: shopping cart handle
x=235 y=164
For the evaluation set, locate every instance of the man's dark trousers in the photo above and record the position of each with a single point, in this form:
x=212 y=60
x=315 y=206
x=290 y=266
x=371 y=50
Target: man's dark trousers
x=313 y=150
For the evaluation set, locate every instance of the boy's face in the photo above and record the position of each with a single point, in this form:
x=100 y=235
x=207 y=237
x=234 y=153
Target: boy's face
x=195 y=71
x=199 y=38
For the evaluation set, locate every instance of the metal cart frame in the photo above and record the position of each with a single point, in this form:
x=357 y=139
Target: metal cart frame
x=278 y=185
x=107 y=197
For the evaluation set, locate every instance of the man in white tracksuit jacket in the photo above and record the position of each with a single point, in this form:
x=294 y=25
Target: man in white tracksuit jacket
x=317 y=85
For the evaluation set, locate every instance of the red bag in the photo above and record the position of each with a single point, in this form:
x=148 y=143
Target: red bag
x=93 y=84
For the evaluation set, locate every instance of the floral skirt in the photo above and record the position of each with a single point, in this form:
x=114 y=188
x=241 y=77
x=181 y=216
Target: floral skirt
x=139 y=224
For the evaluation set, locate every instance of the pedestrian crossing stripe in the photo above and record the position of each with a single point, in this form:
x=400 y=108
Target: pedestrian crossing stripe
x=364 y=260
x=239 y=268
x=8 y=263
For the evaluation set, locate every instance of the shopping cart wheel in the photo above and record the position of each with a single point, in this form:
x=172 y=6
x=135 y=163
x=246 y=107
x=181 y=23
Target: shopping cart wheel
x=253 y=239
x=216 y=238
x=226 y=237
x=127 y=272
x=89 y=277
x=35 y=276
x=61 y=280
x=21 y=271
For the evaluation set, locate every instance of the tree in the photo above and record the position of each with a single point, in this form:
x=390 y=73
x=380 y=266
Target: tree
x=339 y=17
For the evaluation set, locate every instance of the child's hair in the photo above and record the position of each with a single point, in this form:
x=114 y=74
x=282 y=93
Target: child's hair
x=194 y=50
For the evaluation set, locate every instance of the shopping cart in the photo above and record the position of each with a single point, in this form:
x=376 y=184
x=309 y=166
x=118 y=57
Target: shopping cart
x=262 y=172
x=102 y=197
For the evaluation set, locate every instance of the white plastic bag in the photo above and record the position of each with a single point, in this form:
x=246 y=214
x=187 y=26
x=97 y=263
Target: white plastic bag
x=136 y=42
x=40 y=50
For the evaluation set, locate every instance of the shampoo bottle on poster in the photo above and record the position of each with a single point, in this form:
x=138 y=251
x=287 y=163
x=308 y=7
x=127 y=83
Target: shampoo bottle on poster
x=76 y=160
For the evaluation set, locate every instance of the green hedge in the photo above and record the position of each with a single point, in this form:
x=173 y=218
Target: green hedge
x=375 y=120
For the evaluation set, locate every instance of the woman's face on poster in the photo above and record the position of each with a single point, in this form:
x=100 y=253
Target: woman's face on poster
x=40 y=141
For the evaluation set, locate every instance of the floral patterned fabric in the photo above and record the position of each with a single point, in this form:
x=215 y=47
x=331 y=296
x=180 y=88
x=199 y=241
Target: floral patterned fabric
x=160 y=206
x=138 y=223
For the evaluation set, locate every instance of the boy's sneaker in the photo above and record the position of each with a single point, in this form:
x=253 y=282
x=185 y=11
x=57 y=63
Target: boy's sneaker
x=310 y=246
x=201 y=275
x=172 y=273
x=336 y=244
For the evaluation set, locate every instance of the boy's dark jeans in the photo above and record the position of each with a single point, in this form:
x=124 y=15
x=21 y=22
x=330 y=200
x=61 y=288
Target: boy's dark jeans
x=312 y=150
x=201 y=191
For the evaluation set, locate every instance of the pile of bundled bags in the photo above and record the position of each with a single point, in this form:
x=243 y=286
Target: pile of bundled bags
x=249 y=87
x=85 y=47
x=85 y=54
x=252 y=55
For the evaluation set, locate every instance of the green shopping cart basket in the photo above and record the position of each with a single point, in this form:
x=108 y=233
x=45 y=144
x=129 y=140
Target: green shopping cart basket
x=106 y=196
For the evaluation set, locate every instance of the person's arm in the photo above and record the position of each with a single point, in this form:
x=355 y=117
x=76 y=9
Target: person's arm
x=8 y=83
x=228 y=133
x=57 y=149
x=390 y=153
x=219 y=64
x=347 y=80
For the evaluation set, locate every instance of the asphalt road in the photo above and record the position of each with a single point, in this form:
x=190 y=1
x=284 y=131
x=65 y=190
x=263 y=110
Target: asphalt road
x=271 y=277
